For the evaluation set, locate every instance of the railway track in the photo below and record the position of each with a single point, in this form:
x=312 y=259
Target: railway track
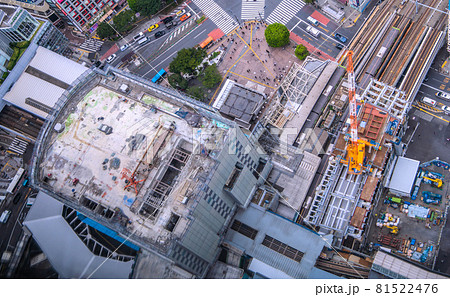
x=423 y=55
x=405 y=50
x=343 y=269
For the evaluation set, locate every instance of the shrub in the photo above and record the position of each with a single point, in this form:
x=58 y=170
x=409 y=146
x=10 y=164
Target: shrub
x=301 y=52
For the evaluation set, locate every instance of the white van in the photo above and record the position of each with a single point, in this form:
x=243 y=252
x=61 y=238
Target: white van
x=313 y=21
x=143 y=40
x=5 y=216
x=139 y=36
x=429 y=101
x=313 y=31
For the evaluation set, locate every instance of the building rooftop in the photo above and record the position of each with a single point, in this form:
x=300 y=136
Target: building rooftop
x=42 y=80
x=239 y=103
x=67 y=253
x=268 y=225
x=145 y=135
x=404 y=175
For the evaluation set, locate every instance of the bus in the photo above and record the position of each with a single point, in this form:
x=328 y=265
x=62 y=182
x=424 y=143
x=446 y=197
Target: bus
x=158 y=77
x=15 y=180
x=206 y=43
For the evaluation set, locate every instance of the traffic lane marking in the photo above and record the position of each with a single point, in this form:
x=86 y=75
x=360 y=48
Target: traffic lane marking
x=438 y=117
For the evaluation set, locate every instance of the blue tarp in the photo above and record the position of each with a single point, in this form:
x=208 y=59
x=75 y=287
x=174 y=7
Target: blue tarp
x=105 y=230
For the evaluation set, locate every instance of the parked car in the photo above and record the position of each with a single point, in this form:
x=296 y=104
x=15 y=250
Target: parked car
x=339 y=46
x=124 y=47
x=443 y=95
x=181 y=12
x=167 y=19
x=105 y=129
x=160 y=33
x=446 y=109
x=153 y=27
x=170 y=25
x=429 y=101
x=111 y=58
x=340 y=38
x=17 y=198
x=185 y=16
x=5 y=216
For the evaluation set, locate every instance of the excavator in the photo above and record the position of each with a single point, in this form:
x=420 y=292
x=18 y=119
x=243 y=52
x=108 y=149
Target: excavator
x=394 y=229
x=356 y=149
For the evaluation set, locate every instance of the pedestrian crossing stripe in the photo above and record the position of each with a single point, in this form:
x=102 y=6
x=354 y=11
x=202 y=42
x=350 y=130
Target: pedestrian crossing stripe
x=217 y=15
x=252 y=9
x=285 y=11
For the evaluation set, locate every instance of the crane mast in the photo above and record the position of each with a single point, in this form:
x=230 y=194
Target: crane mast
x=352 y=100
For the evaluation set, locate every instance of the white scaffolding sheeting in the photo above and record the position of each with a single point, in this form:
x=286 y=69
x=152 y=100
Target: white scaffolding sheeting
x=386 y=97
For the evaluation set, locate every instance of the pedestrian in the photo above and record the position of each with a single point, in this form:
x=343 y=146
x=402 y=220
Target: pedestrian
x=231 y=58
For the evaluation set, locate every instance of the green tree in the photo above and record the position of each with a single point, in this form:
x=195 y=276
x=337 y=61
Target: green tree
x=301 y=52
x=309 y=1
x=122 y=20
x=177 y=81
x=197 y=92
x=187 y=60
x=105 y=30
x=211 y=76
x=146 y=7
x=277 y=35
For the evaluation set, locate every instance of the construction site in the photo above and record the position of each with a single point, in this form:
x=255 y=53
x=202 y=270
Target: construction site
x=143 y=162
x=356 y=199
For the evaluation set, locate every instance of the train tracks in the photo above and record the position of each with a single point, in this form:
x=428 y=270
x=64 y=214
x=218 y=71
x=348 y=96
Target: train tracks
x=345 y=269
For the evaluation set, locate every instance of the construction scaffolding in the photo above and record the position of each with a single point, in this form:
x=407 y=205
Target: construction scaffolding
x=386 y=97
x=293 y=90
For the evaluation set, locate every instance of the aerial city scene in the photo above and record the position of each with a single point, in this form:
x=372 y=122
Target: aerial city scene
x=225 y=139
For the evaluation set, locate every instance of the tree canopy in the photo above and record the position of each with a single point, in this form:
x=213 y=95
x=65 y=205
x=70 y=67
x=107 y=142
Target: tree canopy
x=301 y=52
x=211 y=76
x=187 y=60
x=146 y=7
x=277 y=35
x=177 y=81
x=122 y=20
x=104 y=30
x=197 y=92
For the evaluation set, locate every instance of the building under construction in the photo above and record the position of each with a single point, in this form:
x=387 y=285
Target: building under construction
x=162 y=170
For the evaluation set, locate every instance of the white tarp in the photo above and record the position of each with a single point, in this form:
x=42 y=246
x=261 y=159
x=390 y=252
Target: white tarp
x=417 y=211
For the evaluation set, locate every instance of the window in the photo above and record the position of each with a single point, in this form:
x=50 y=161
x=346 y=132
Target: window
x=234 y=176
x=244 y=229
x=282 y=248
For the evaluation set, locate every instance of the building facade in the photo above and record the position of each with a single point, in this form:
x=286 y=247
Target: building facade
x=79 y=13
x=5 y=54
x=18 y=26
x=51 y=38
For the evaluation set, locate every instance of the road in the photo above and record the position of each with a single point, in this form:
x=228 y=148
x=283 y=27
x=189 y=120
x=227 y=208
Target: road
x=155 y=60
x=191 y=39
x=10 y=232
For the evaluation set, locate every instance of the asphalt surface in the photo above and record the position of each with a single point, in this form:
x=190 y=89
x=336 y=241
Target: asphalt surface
x=11 y=230
x=154 y=60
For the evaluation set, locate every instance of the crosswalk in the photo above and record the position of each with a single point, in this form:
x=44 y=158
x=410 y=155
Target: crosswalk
x=91 y=45
x=18 y=146
x=252 y=9
x=285 y=11
x=216 y=14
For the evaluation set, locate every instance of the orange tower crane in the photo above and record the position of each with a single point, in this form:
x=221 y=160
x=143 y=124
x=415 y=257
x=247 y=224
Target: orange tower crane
x=356 y=147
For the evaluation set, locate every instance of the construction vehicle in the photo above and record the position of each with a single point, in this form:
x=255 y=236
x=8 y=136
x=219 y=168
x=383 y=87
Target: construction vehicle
x=435 y=182
x=394 y=229
x=431 y=198
x=357 y=147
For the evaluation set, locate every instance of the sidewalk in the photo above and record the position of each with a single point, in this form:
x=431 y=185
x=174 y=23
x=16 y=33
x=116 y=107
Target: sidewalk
x=351 y=15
